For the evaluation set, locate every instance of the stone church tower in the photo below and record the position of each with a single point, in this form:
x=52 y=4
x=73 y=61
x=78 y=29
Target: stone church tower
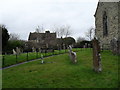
x=107 y=23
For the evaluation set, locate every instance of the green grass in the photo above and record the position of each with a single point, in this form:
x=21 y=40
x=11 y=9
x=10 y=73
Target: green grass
x=63 y=74
x=11 y=59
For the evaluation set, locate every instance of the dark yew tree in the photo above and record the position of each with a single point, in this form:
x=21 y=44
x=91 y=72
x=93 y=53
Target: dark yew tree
x=5 y=37
x=69 y=41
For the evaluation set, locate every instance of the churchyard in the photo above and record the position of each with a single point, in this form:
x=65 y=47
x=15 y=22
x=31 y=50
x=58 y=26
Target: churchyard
x=46 y=58
x=59 y=72
x=12 y=59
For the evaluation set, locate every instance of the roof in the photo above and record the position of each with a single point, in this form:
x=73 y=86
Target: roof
x=35 y=35
x=101 y=1
x=97 y=8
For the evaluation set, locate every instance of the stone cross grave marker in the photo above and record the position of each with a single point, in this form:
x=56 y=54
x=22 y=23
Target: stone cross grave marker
x=96 y=56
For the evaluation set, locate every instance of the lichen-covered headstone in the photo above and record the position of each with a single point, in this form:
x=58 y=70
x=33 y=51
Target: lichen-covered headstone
x=96 y=56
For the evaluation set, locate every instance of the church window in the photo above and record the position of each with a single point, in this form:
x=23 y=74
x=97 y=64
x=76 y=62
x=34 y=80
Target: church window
x=105 y=24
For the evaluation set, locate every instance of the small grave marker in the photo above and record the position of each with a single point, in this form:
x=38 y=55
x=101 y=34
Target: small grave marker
x=42 y=61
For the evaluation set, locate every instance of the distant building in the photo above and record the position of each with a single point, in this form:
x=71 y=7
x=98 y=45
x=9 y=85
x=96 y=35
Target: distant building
x=107 y=24
x=43 y=40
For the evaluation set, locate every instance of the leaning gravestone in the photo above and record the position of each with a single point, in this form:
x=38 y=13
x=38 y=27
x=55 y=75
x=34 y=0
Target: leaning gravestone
x=14 y=52
x=72 y=55
x=17 y=50
x=96 y=56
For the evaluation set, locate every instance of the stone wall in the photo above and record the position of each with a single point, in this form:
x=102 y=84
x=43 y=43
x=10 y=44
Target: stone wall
x=119 y=19
x=119 y=27
x=40 y=40
x=111 y=9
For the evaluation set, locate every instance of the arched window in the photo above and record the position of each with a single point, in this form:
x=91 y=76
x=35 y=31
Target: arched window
x=105 y=24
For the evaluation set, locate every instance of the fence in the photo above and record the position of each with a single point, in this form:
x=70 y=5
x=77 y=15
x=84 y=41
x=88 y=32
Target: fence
x=8 y=60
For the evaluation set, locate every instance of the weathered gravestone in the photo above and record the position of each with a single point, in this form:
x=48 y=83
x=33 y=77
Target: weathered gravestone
x=89 y=46
x=64 y=46
x=18 y=51
x=115 y=46
x=72 y=55
x=42 y=61
x=86 y=45
x=96 y=56
x=14 y=52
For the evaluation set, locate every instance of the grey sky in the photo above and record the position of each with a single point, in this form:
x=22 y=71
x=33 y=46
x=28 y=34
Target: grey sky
x=23 y=16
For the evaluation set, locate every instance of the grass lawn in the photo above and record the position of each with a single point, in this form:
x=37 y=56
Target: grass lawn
x=11 y=59
x=61 y=73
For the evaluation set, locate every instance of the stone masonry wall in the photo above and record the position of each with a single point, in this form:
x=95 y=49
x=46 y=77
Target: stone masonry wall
x=111 y=9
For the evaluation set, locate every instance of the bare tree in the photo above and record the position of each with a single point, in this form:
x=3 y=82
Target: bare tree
x=2 y=26
x=14 y=36
x=56 y=30
x=63 y=31
x=39 y=29
x=67 y=31
x=79 y=39
x=90 y=33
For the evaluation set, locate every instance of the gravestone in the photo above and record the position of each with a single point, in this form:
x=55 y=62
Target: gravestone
x=89 y=45
x=41 y=56
x=64 y=46
x=96 y=56
x=42 y=61
x=17 y=50
x=115 y=46
x=86 y=45
x=14 y=52
x=72 y=55
x=33 y=49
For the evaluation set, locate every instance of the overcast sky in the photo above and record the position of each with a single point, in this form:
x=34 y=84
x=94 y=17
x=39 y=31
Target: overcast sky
x=23 y=16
